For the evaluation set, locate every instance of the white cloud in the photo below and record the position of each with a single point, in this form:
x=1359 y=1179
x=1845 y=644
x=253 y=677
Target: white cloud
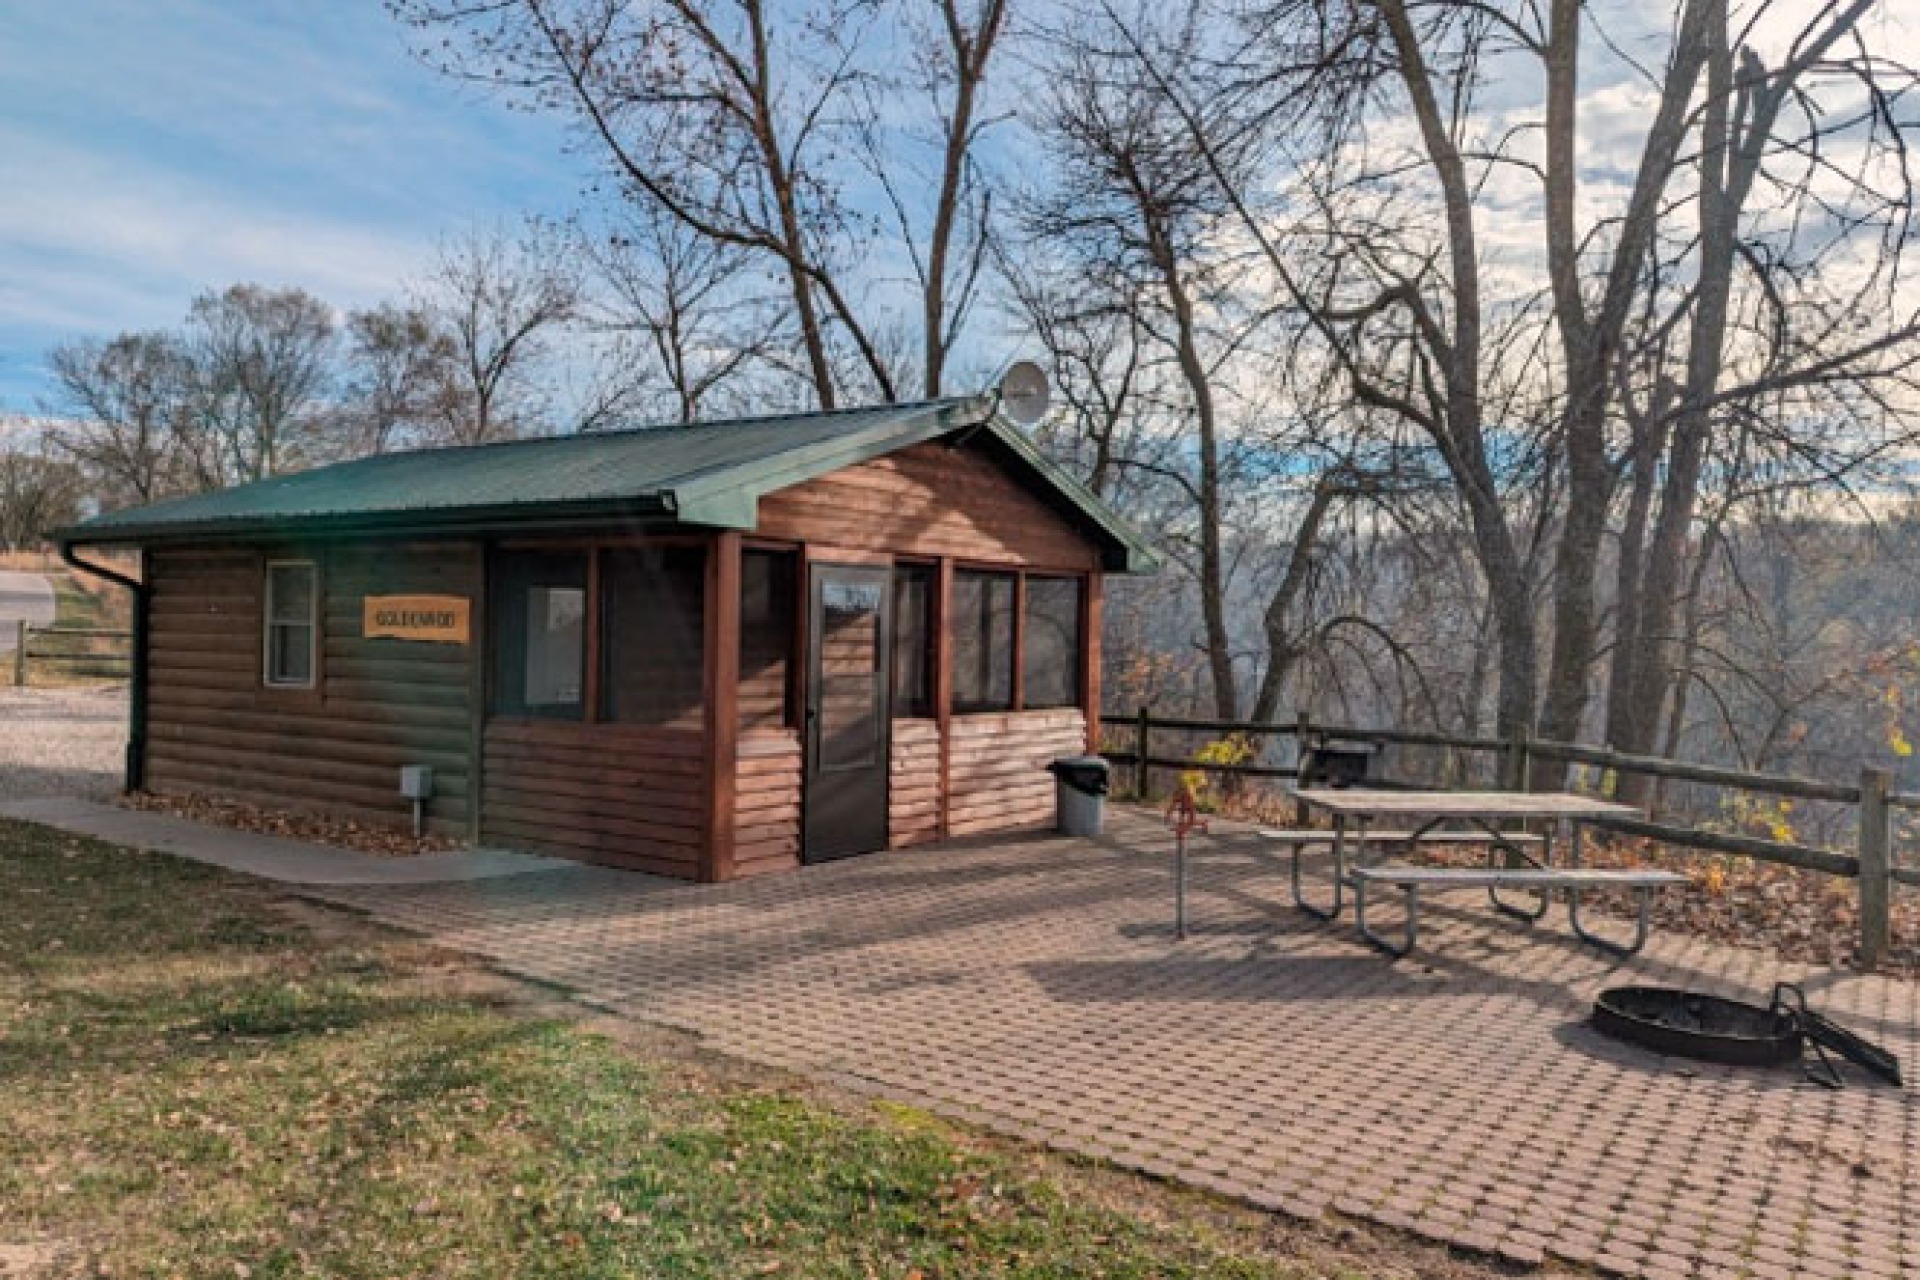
x=153 y=151
x=94 y=241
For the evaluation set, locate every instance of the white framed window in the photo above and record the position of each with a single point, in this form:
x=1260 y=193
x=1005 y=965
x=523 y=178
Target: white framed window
x=292 y=622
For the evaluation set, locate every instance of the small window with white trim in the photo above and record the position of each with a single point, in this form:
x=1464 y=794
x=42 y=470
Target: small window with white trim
x=293 y=598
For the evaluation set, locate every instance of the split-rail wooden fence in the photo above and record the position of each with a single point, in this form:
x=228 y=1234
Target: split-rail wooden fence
x=1871 y=863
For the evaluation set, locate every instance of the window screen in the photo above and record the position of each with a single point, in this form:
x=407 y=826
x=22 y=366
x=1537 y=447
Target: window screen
x=292 y=610
x=913 y=641
x=652 y=620
x=982 y=641
x=1050 y=675
x=767 y=600
x=539 y=631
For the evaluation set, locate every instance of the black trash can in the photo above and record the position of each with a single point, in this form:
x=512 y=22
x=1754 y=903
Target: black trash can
x=1338 y=764
x=1080 y=794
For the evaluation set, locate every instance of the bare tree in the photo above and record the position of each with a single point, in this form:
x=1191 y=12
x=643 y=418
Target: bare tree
x=1763 y=328
x=719 y=111
x=401 y=382
x=497 y=298
x=262 y=360
x=689 y=304
x=1392 y=290
x=37 y=495
x=120 y=410
x=1375 y=241
x=946 y=236
x=1092 y=328
x=1135 y=201
x=750 y=123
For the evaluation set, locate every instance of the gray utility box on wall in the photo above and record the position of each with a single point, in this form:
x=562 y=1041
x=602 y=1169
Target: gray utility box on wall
x=416 y=784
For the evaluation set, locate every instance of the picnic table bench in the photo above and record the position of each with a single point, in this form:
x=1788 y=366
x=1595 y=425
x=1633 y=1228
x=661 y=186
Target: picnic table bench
x=1541 y=880
x=1303 y=836
x=1426 y=816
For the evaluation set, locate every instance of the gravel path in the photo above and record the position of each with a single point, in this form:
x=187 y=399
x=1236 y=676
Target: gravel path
x=62 y=742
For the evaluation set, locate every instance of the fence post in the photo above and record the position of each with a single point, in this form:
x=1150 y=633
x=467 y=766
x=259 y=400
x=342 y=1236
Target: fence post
x=1302 y=730
x=19 y=652
x=1140 y=735
x=1876 y=867
x=1519 y=759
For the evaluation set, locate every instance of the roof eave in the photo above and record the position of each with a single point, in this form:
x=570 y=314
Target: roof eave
x=729 y=497
x=649 y=509
x=1127 y=550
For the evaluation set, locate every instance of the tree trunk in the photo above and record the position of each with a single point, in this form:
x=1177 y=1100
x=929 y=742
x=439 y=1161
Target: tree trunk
x=970 y=53
x=1648 y=662
x=1193 y=370
x=1284 y=648
x=793 y=242
x=1590 y=344
x=1461 y=436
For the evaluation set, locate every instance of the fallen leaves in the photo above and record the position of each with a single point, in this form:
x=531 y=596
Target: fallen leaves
x=1742 y=902
x=344 y=833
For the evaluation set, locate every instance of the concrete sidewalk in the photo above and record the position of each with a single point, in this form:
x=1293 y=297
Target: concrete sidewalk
x=269 y=857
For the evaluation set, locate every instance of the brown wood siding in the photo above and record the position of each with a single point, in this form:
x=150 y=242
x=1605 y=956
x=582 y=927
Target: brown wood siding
x=621 y=795
x=767 y=803
x=997 y=770
x=215 y=729
x=913 y=798
x=928 y=500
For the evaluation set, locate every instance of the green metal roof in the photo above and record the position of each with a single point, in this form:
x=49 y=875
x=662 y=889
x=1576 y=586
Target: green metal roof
x=710 y=474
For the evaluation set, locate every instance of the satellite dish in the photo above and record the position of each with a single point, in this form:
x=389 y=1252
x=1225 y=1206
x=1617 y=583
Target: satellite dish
x=1023 y=393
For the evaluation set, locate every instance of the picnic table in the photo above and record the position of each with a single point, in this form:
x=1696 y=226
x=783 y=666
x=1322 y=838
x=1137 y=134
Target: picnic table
x=1363 y=852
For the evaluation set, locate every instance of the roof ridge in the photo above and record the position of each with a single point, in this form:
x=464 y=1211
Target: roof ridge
x=751 y=420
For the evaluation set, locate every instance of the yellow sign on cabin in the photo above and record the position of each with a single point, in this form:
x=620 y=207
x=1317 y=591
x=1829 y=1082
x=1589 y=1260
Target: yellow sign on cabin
x=433 y=619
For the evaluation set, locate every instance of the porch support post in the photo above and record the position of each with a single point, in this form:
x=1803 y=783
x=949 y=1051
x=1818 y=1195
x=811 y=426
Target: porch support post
x=1091 y=601
x=943 y=687
x=722 y=701
x=479 y=659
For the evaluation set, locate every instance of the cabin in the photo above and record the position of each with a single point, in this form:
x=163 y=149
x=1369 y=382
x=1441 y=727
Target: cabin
x=704 y=652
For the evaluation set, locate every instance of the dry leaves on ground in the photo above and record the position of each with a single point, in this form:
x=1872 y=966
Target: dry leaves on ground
x=1799 y=915
x=344 y=833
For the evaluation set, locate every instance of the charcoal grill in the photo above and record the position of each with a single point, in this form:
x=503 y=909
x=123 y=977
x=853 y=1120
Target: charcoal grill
x=1691 y=1024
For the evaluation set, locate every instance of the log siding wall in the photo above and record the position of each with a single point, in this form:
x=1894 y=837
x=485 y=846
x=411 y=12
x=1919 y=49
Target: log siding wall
x=621 y=795
x=930 y=500
x=997 y=775
x=913 y=801
x=766 y=801
x=215 y=729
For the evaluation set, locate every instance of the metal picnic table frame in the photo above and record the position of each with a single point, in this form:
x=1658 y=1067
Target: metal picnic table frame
x=1354 y=810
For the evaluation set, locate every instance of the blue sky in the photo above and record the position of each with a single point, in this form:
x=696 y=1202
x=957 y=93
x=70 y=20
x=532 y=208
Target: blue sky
x=151 y=149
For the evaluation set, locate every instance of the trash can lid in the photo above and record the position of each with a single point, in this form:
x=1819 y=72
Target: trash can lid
x=1086 y=774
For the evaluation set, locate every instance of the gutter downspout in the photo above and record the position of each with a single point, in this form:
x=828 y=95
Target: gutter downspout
x=136 y=764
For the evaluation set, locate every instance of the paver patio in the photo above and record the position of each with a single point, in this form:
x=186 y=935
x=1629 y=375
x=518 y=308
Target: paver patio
x=1033 y=987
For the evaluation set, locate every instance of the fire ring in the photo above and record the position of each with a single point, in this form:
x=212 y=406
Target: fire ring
x=1691 y=1024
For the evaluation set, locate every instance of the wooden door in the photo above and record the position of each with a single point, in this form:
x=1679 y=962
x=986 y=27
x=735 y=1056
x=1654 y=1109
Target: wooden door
x=848 y=719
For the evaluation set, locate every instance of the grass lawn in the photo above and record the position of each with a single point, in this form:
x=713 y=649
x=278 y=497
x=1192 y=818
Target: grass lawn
x=198 y=1079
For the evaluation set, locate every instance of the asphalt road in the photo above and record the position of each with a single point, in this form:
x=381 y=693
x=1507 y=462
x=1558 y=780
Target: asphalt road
x=26 y=596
